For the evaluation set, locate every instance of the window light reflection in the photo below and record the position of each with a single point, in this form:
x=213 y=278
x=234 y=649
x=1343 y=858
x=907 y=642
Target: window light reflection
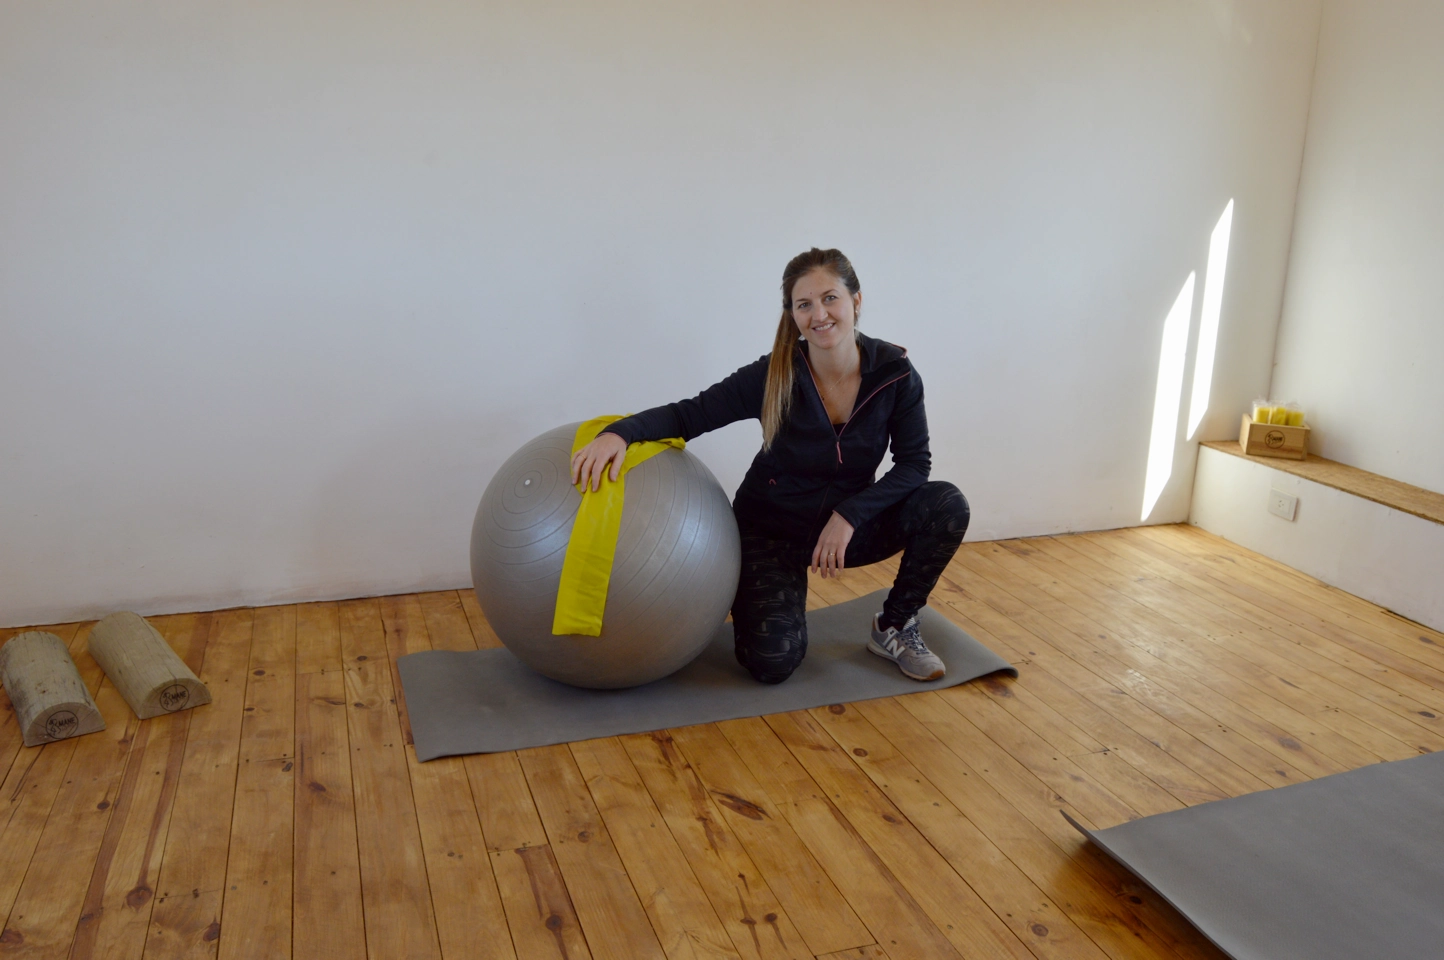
x=1168 y=397
x=1208 y=321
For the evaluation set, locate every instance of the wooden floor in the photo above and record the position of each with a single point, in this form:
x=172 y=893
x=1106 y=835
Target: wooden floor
x=1160 y=667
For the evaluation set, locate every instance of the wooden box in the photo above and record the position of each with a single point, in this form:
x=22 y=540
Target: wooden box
x=1273 y=440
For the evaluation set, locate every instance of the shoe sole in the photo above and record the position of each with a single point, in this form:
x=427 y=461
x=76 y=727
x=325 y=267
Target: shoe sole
x=872 y=647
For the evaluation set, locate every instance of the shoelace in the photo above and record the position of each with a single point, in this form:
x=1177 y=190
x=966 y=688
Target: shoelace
x=911 y=636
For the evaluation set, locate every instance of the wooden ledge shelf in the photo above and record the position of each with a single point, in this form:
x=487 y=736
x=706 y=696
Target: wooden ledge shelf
x=1361 y=483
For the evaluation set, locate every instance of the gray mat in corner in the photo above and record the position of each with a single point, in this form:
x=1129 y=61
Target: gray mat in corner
x=1340 y=868
x=482 y=701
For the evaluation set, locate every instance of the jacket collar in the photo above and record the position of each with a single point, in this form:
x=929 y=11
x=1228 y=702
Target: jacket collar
x=874 y=353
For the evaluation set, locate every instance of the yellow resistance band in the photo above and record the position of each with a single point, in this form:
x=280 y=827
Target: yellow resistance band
x=587 y=569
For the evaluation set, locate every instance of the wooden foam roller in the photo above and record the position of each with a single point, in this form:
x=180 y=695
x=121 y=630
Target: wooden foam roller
x=144 y=668
x=51 y=701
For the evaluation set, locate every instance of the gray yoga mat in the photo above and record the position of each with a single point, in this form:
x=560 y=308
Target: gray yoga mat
x=482 y=701
x=1345 y=867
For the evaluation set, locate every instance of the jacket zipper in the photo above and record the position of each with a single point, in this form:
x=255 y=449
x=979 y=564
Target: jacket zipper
x=837 y=442
x=858 y=407
x=818 y=390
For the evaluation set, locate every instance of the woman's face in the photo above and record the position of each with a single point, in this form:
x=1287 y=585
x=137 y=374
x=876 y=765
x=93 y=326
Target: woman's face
x=823 y=310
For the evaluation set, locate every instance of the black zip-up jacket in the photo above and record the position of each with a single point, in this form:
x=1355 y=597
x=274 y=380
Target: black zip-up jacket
x=813 y=467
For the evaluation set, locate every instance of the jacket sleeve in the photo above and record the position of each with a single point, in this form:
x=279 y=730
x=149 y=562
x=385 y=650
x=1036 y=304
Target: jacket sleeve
x=912 y=461
x=736 y=397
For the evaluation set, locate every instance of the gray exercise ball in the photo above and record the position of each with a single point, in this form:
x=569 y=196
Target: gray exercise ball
x=673 y=579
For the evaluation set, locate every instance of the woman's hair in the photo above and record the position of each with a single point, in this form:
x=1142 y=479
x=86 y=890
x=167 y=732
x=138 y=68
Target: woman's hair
x=777 y=396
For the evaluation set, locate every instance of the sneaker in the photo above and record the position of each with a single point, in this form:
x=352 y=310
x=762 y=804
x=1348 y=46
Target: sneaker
x=905 y=648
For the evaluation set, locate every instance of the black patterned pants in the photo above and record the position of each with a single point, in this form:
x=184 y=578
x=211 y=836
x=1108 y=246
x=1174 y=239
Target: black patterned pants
x=769 y=621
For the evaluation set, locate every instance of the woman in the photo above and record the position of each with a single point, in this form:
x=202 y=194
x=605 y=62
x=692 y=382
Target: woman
x=830 y=405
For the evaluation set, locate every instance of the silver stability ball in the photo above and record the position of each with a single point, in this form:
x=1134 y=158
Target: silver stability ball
x=675 y=573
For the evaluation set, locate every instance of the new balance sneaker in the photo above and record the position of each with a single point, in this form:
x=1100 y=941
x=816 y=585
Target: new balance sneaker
x=905 y=648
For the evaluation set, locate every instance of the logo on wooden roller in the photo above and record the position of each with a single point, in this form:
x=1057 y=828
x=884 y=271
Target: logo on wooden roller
x=1274 y=439
x=61 y=724
x=174 y=697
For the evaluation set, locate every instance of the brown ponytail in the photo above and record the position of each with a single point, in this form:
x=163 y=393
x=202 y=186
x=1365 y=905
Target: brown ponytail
x=777 y=395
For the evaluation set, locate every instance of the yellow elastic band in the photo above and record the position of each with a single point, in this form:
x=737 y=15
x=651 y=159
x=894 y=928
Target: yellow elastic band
x=587 y=569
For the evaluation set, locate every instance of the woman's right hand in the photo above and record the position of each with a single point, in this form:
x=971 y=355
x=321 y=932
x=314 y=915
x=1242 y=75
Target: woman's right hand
x=590 y=461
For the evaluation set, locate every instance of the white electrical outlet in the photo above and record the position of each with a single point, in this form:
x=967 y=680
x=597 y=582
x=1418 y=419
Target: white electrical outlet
x=1283 y=505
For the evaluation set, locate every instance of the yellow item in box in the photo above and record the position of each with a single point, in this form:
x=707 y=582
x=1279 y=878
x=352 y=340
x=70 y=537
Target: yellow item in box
x=1296 y=418
x=1267 y=440
x=1279 y=416
x=1262 y=412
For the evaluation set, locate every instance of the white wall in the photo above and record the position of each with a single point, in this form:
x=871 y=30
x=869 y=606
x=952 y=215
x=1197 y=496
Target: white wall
x=1363 y=323
x=281 y=284
x=1372 y=551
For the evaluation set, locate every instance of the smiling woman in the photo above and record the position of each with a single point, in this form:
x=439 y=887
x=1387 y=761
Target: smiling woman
x=822 y=300
x=831 y=401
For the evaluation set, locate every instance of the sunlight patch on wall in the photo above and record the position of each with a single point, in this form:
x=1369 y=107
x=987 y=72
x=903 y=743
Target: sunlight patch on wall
x=1208 y=321
x=1169 y=395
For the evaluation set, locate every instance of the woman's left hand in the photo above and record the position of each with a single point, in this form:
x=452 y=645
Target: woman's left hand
x=827 y=556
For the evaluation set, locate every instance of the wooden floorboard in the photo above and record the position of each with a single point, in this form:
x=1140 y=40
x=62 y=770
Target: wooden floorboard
x=803 y=888
x=326 y=913
x=759 y=926
x=259 y=864
x=395 y=889
x=1159 y=668
x=874 y=891
x=464 y=896
x=185 y=920
x=608 y=903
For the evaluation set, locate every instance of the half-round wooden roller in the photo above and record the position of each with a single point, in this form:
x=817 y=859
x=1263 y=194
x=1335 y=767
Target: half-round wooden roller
x=144 y=668
x=51 y=701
